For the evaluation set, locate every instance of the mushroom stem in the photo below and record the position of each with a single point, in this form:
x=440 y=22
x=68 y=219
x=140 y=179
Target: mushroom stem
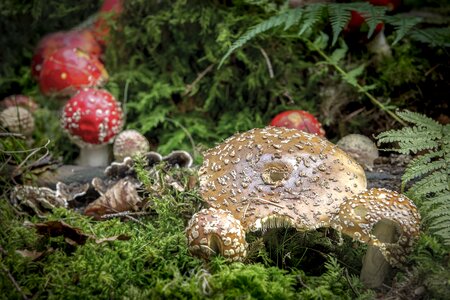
x=97 y=156
x=379 y=45
x=375 y=267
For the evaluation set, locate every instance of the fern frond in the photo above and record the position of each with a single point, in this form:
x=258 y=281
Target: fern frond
x=312 y=15
x=420 y=168
x=286 y=18
x=352 y=76
x=402 y=25
x=432 y=168
x=435 y=37
x=419 y=120
x=433 y=183
x=339 y=17
x=373 y=16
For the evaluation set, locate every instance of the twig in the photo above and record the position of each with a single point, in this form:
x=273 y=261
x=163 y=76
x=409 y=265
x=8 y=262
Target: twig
x=36 y=150
x=349 y=283
x=176 y=123
x=190 y=86
x=269 y=64
x=126 y=213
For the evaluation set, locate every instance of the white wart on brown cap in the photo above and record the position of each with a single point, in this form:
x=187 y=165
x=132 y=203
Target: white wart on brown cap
x=17 y=120
x=279 y=173
x=129 y=143
x=215 y=231
x=359 y=214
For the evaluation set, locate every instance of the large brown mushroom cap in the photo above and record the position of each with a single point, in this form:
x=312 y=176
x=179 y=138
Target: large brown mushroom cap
x=358 y=216
x=279 y=174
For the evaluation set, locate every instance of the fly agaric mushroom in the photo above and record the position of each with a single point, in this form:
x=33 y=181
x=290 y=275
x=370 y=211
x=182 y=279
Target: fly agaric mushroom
x=80 y=39
x=19 y=100
x=129 y=143
x=357 y=28
x=17 y=120
x=212 y=231
x=92 y=119
x=277 y=175
x=68 y=70
x=361 y=148
x=298 y=119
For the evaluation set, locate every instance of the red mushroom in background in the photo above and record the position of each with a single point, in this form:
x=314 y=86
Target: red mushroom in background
x=298 y=119
x=92 y=118
x=109 y=11
x=68 y=70
x=81 y=39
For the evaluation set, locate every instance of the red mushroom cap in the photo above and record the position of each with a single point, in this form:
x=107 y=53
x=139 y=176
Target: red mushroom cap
x=358 y=24
x=81 y=39
x=109 y=9
x=69 y=69
x=92 y=117
x=19 y=100
x=298 y=119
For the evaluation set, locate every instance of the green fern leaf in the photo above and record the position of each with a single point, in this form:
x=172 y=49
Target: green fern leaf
x=435 y=37
x=339 y=53
x=422 y=169
x=293 y=17
x=373 y=16
x=339 y=17
x=433 y=183
x=351 y=77
x=402 y=25
x=256 y=30
x=419 y=120
x=312 y=15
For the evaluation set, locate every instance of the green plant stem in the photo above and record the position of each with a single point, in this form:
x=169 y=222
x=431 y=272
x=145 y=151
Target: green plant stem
x=358 y=86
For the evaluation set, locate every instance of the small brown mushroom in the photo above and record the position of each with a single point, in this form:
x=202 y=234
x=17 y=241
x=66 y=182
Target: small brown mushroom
x=129 y=143
x=17 y=120
x=384 y=219
x=361 y=148
x=215 y=231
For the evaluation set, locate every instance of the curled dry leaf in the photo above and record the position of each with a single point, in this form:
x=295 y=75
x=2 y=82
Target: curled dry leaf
x=122 y=196
x=120 y=237
x=31 y=254
x=72 y=235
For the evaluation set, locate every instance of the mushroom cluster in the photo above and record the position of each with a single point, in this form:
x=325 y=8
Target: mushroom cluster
x=278 y=176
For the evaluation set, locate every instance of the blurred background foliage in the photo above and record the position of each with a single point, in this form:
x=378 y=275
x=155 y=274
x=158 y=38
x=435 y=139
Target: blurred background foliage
x=163 y=65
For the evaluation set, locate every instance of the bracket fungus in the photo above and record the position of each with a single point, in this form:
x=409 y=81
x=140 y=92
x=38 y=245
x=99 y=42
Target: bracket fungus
x=278 y=176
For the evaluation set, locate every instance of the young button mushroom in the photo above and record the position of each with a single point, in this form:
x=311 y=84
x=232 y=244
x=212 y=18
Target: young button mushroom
x=361 y=148
x=279 y=176
x=298 y=119
x=380 y=214
x=215 y=231
x=68 y=70
x=129 y=143
x=17 y=120
x=92 y=118
x=80 y=39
